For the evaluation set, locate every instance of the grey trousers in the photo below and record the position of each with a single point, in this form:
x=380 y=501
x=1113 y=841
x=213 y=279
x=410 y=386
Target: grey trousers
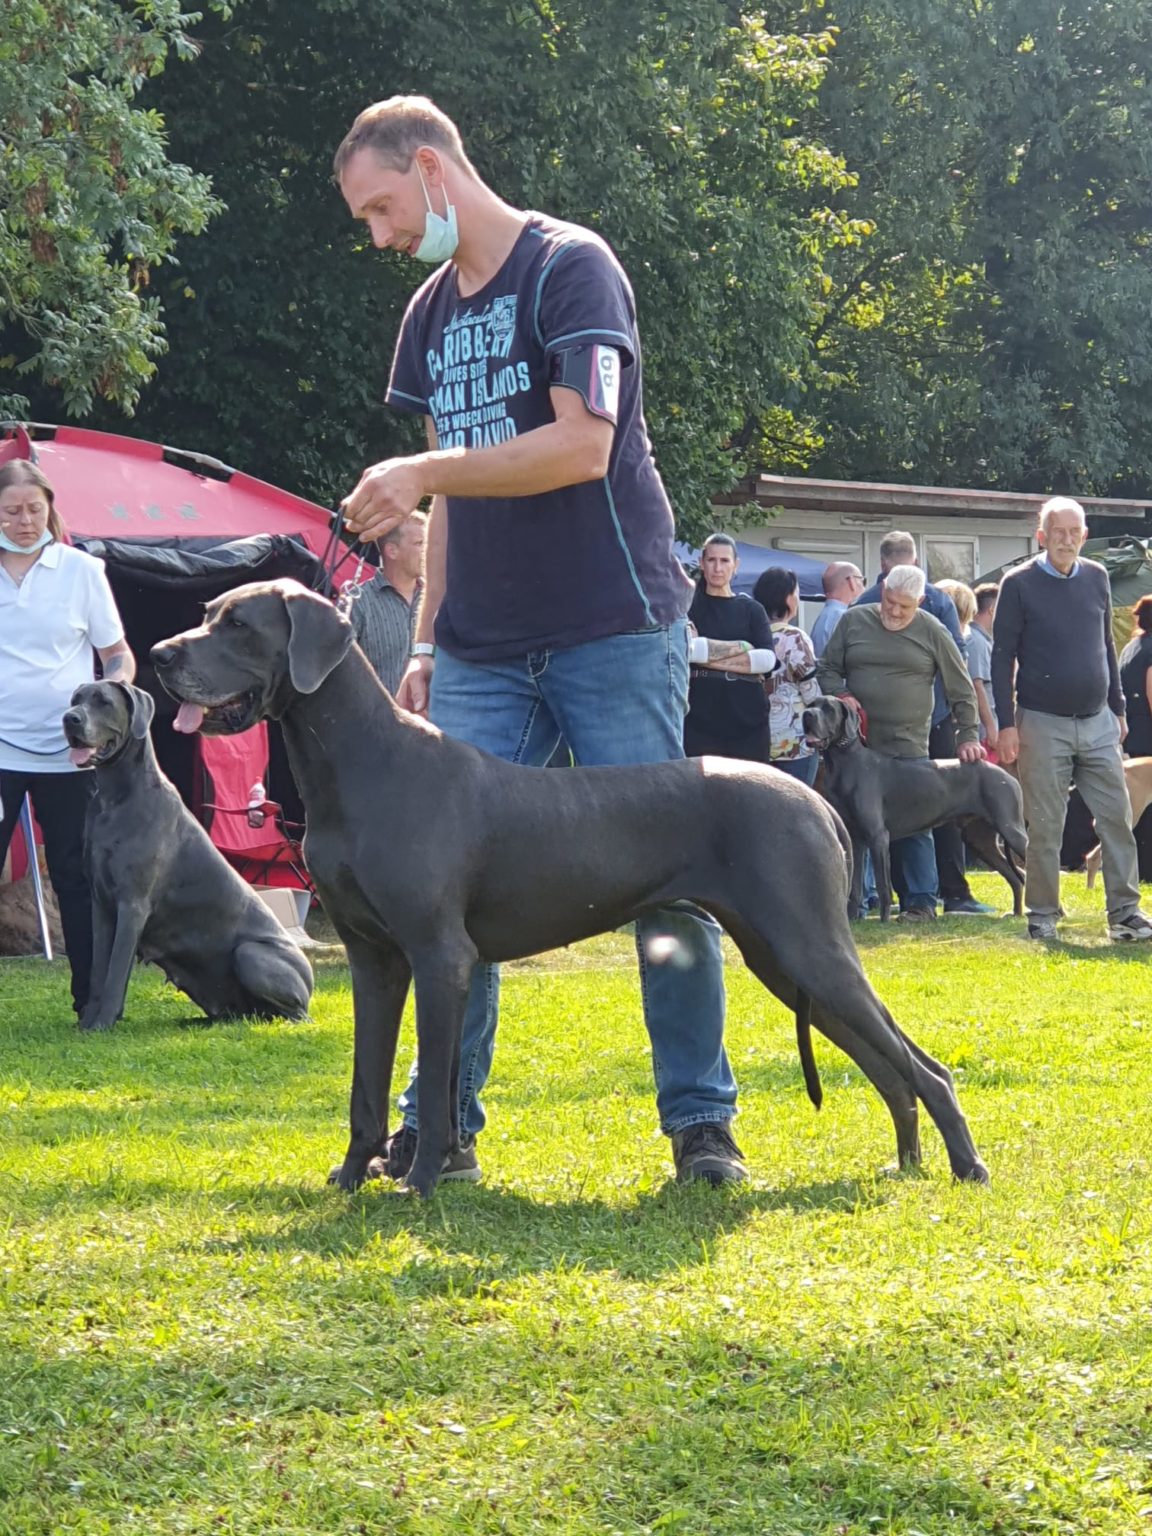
x=1056 y=753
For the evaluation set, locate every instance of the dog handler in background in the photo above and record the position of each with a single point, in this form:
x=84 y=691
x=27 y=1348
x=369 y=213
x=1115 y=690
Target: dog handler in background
x=56 y=608
x=732 y=652
x=554 y=604
x=887 y=656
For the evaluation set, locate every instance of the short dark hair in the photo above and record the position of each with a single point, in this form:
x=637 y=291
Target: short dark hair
x=773 y=589
x=986 y=594
x=1142 y=613
x=395 y=129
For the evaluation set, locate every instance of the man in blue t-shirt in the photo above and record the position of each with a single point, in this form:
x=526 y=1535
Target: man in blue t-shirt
x=554 y=605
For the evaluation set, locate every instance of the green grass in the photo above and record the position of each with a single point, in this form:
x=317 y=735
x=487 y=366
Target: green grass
x=196 y=1335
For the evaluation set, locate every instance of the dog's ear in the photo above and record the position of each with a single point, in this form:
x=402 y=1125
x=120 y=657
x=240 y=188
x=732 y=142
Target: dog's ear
x=319 y=638
x=141 y=708
x=851 y=725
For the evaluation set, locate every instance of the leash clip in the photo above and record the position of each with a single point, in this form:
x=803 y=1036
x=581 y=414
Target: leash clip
x=350 y=591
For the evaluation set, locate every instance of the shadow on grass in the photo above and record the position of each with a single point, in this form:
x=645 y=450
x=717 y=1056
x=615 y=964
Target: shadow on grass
x=488 y=1233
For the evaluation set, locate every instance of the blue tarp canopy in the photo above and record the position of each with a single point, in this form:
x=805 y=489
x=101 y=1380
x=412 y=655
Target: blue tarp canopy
x=755 y=559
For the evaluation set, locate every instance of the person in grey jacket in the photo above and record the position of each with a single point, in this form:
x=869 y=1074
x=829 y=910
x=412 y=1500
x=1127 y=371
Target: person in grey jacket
x=1061 y=713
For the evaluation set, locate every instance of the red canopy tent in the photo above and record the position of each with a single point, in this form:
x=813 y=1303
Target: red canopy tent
x=175 y=529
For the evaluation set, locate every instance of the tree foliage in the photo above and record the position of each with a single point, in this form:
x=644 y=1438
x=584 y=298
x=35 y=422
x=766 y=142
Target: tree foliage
x=992 y=331
x=89 y=202
x=678 y=131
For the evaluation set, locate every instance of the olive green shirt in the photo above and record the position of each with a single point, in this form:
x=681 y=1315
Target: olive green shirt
x=892 y=673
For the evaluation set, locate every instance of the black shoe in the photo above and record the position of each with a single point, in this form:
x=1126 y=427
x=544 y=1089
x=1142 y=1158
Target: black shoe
x=918 y=915
x=707 y=1151
x=968 y=906
x=462 y=1165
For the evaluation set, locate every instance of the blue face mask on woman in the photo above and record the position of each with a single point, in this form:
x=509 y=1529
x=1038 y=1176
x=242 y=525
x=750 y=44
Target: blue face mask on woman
x=24 y=549
x=441 y=237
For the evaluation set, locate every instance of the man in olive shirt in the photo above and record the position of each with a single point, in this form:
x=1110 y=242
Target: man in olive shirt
x=887 y=656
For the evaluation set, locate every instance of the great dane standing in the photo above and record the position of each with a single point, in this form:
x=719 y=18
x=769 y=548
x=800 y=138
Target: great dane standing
x=881 y=799
x=480 y=858
x=159 y=887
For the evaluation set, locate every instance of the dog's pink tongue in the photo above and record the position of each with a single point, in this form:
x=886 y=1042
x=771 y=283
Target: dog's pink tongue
x=80 y=757
x=189 y=718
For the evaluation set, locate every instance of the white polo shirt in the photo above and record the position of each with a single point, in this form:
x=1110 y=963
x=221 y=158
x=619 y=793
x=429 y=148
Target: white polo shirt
x=49 y=626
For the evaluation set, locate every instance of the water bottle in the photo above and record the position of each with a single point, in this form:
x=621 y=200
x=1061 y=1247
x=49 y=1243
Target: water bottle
x=256 y=804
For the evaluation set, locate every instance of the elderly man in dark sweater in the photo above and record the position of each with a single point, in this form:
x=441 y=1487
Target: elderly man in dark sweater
x=1061 y=714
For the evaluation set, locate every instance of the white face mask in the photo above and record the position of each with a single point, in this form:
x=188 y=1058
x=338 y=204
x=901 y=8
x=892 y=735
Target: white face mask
x=24 y=549
x=440 y=238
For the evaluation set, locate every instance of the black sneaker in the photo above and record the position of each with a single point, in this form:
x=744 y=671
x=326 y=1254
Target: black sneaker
x=707 y=1151
x=918 y=915
x=461 y=1165
x=1043 y=929
x=1131 y=929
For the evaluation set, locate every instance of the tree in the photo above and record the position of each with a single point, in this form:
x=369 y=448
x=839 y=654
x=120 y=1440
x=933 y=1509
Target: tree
x=991 y=331
x=90 y=204
x=679 y=131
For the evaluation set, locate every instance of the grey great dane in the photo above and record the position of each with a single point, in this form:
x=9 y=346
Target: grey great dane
x=480 y=858
x=883 y=798
x=160 y=890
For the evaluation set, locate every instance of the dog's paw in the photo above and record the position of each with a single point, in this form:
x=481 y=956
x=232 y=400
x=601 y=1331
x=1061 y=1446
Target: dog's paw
x=422 y=1181
x=349 y=1176
x=976 y=1174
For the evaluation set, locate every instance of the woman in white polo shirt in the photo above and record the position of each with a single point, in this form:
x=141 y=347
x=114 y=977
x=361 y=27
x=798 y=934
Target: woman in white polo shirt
x=56 y=608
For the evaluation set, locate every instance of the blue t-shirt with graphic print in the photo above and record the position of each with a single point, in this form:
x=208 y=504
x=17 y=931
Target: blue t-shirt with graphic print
x=565 y=566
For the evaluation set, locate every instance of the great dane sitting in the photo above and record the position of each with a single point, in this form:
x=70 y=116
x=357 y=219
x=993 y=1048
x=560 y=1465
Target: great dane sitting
x=480 y=858
x=881 y=799
x=160 y=890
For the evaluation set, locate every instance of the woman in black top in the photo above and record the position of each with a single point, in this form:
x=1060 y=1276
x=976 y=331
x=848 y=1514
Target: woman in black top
x=1136 y=681
x=727 y=705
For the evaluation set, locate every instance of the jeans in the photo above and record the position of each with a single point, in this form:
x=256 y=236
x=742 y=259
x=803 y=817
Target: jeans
x=802 y=768
x=60 y=801
x=618 y=700
x=913 y=862
x=914 y=870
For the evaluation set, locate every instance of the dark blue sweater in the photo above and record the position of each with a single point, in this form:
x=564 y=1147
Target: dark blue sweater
x=1053 y=635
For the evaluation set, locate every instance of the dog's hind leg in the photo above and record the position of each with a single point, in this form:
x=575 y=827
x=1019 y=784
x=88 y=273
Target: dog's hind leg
x=980 y=836
x=891 y=1085
x=815 y=950
x=278 y=988
x=380 y=979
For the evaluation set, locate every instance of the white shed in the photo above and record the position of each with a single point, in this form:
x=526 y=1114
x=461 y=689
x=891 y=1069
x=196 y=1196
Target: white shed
x=960 y=533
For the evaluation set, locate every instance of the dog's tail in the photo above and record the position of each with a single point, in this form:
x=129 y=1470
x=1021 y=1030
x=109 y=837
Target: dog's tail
x=804 y=1046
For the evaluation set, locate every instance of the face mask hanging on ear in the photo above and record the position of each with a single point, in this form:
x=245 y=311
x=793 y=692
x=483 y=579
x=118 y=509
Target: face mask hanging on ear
x=24 y=549
x=440 y=238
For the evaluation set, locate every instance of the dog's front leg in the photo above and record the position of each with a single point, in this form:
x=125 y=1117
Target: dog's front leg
x=879 y=846
x=118 y=939
x=103 y=928
x=380 y=979
x=443 y=978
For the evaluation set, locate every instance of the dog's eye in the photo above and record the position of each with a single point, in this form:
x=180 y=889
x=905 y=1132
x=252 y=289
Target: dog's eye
x=235 y=620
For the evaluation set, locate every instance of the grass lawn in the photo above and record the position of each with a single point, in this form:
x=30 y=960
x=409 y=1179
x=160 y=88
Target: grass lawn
x=196 y=1335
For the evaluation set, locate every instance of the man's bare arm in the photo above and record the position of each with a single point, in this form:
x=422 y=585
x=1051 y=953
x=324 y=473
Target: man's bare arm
x=571 y=450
